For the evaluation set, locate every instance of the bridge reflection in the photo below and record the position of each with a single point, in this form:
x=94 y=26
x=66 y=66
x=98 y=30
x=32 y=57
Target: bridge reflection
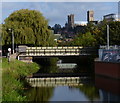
x=57 y=81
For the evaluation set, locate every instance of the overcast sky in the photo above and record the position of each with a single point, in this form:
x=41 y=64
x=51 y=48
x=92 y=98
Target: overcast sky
x=56 y=12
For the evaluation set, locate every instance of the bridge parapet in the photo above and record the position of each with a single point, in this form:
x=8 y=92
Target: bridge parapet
x=54 y=51
x=66 y=47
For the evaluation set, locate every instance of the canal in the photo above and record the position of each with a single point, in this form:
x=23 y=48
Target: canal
x=84 y=88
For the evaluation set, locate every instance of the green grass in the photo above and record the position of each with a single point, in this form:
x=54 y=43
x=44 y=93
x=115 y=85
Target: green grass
x=13 y=74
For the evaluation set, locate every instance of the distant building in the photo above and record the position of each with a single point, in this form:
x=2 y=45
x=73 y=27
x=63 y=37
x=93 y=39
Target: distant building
x=57 y=37
x=110 y=17
x=71 y=21
x=93 y=22
x=90 y=16
x=81 y=23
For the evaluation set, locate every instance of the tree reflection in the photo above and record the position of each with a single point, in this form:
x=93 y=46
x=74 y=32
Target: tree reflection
x=48 y=65
x=40 y=94
x=90 y=91
x=48 y=69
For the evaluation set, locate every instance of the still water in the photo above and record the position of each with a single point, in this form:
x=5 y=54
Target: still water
x=64 y=93
x=84 y=92
x=99 y=89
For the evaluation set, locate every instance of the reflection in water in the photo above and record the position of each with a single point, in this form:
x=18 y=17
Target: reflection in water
x=90 y=91
x=109 y=88
x=104 y=89
x=48 y=69
x=62 y=90
x=107 y=91
x=108 y=96
x=40 y=94
x=66 y=93
x=80 y=92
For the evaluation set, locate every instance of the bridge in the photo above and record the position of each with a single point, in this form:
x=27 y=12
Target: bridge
x=25 y=51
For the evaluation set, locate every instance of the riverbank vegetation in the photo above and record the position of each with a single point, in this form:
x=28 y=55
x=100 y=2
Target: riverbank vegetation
x=13 y=79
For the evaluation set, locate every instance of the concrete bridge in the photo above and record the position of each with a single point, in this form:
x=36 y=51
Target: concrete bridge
x=27 y=52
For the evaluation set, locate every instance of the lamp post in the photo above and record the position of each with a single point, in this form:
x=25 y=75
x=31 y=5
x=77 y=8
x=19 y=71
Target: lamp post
x=108 y=47
x=12 y=40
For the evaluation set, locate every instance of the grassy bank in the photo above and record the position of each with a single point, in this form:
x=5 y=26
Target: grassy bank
x=13 y=75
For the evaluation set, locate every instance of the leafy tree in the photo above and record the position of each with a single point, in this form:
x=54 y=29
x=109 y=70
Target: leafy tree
x=85 y=40
x=29 y=26
x=57 y=28
x=114 y=32
x=100 y=32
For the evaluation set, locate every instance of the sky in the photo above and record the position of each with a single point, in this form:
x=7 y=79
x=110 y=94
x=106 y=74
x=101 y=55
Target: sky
x=56 y=12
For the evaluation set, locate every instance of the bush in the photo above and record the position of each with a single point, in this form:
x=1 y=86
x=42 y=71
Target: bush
x=12 y=78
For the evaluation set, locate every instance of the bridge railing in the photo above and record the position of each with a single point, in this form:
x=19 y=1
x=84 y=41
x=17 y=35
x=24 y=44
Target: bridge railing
x=55 y=51
x=49 y=48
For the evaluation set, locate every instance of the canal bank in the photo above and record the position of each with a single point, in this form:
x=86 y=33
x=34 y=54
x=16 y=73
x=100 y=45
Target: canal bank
x=13 y=79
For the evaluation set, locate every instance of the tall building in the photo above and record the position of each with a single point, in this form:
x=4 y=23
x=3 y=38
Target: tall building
x=110 y=17
x=71 y=21
x=90 y=16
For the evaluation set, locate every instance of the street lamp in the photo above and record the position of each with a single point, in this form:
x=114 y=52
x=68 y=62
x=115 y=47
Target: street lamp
x=108 y=47
x=12 y=40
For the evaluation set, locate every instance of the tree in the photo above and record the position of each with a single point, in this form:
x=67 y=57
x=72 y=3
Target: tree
x=100 y=32
x=84 y=40
x=29 y=26
x=57 y=28
x=114 y=32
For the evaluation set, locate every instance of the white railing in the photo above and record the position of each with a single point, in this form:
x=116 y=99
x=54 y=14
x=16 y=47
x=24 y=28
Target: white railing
x=110 y=47
x=71 y=47
x=54 y=51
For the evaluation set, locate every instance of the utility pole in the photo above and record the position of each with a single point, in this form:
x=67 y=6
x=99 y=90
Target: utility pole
x=12 y=40
x=108 y=47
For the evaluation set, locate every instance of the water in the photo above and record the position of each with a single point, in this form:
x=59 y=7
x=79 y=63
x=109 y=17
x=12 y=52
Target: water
x=80 y=92
x=101 y=89
x=63 y=93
